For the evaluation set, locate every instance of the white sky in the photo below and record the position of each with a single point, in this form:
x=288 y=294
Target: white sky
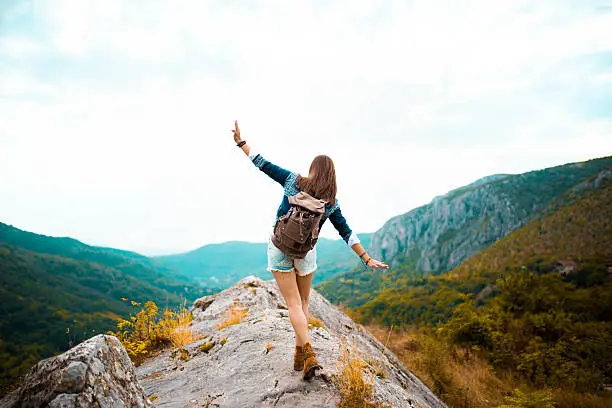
x=115 y=115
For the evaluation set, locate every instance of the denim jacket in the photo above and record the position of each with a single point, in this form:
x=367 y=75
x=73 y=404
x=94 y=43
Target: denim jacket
x=288 y=180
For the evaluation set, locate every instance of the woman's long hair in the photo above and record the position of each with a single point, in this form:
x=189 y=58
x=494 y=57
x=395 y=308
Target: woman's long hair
x=321 y=182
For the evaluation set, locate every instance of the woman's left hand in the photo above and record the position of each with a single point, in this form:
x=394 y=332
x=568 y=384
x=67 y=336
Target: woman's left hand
x=373 y=263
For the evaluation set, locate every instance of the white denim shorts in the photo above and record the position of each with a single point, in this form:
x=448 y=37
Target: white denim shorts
x=278 y=261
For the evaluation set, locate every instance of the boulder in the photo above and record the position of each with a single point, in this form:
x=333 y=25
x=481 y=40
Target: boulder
x=95 y=373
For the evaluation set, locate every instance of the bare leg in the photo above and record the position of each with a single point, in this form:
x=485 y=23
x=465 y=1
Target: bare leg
x=287 y=284
x=304 y=284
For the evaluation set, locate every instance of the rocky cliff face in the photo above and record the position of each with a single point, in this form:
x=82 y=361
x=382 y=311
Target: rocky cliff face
x=442 y=234
x=249 y=364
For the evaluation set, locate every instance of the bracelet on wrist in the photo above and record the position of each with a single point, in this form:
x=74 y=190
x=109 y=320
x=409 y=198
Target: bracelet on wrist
x=361 y=256
x=241 y=143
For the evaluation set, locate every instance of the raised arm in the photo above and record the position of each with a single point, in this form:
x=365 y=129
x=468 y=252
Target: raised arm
x=275 y=172
x=351 y=239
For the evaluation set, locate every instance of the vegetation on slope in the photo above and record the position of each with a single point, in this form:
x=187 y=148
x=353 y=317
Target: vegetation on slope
x=580 y=231
x=60 y=292
x=130 y=263
x=511 y=309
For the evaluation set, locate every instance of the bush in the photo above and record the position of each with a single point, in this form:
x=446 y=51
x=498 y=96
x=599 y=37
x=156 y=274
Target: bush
x=147 y=332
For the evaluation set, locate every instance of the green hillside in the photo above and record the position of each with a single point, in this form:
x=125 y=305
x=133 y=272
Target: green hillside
x=58 y=291
x=512 y=303
x=133 y=264
x=221 y=265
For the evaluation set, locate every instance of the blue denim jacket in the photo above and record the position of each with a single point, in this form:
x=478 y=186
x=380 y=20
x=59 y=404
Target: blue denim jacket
x=288 y=180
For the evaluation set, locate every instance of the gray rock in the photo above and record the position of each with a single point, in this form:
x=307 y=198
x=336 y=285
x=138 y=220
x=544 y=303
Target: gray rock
x=64 y=401
x=73 y=378
x=95 y=373
x=242 y=373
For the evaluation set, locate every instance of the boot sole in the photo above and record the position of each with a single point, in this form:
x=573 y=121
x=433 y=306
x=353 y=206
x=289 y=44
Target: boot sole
x=311 y=372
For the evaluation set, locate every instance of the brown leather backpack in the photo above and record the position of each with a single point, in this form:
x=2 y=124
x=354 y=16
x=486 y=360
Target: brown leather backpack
x=296 y=232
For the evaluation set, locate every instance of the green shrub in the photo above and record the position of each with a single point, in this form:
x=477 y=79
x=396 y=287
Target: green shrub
x=537 y=399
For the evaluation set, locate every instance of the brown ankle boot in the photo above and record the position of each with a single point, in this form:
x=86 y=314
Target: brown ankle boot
x=311 y=365
x=298 y=358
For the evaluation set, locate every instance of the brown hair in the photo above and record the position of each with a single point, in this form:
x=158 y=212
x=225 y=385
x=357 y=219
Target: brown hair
x=322 y=181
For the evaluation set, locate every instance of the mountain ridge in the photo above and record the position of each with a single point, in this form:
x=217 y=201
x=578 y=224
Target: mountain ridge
x=439 y=236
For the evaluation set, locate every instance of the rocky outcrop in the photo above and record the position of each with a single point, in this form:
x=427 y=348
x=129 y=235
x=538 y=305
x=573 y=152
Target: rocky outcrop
x=95 y=373
x=594 y=182
x=442 y=234
x=250 y=364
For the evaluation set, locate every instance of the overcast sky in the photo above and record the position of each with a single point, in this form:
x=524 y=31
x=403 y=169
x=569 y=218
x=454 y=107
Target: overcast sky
x=115 y=115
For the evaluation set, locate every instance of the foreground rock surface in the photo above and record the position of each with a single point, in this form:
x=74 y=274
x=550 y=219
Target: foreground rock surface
x=250 y=364
x=95 y=373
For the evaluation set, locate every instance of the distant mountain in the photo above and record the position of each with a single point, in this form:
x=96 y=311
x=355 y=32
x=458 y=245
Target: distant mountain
x=131 y=263
x=54 y=291
x=536 y=304
x=221 y=265
x=574 y=239
x=439 y=236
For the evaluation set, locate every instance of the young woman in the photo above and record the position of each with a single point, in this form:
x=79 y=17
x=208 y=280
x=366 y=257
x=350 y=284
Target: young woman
x=294 y=276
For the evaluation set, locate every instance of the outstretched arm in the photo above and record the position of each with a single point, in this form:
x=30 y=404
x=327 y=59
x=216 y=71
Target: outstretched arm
x=339 y=222
x=275 y=172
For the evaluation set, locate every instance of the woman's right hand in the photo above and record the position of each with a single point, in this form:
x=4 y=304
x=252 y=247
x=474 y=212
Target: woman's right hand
x=373 y=263
x=236 y=131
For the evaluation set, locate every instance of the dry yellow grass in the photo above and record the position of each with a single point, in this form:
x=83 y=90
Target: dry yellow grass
x=355 y=383
x=268 y=348
x=458 y=376
x=377 y=367
x=463 y=379
x=314 y=322
x=181 y=334
x=572 y=399
x=233 y=316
